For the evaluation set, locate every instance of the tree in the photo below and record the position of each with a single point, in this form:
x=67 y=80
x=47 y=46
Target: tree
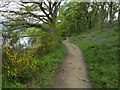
x=102 y=11
x=119 y=15
x=78 y=16
x=113 y=8
x=33 y=14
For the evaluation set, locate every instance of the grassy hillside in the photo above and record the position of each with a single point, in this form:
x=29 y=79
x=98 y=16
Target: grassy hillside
x=101 y=53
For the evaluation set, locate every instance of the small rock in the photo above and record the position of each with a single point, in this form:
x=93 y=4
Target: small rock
x=69 y=63
x=64 y=69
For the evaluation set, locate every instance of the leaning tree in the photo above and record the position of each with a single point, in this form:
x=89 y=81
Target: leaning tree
x=41 y=15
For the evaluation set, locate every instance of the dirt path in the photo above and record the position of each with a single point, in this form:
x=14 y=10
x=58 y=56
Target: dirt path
x=72 y=73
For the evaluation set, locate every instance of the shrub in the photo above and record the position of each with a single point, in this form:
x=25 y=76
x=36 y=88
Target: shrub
x=46 y=44
x=18 y=65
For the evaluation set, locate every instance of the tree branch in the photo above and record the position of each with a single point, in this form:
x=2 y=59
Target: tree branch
x=6 y=4
x=43 y=10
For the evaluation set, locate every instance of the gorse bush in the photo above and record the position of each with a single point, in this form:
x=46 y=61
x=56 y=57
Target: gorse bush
x=37 y=68
x=18 y=66
x=45 y=45
x=43 y=42
x=23 y=63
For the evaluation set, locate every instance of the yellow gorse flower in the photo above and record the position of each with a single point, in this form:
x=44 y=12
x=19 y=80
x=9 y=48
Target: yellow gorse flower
x=16 y=64
x=8 y=71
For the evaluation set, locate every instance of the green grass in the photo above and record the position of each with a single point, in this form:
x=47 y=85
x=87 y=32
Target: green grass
x=48 y=64
x=13 y=84
x=0 y=76
x=44 y=77
x=101 y=53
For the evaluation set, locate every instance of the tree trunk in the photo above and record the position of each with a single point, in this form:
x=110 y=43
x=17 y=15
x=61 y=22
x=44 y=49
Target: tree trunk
x=87 y=26
x=53 y=24
x=119 y=17
x=53 y=27
x=102 y=16
x=53 y=30
x=75 y=26
x=90 y=23
x=111 y=12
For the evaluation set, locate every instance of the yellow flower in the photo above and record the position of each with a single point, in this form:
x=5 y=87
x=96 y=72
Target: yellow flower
x=8 y=71
x=20 y=60
x=15 y=75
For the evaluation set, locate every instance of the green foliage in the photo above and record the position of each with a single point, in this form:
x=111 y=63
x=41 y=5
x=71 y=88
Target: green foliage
x=21 y=70
x=48 y=65
x=46 y=45
x=20 y=62
x=78 y=17
x=18 y=66
x=41 y=41
x=11 y=34
x=100 y=50
x=21 y=65
x=13 y=84
x=43 y=52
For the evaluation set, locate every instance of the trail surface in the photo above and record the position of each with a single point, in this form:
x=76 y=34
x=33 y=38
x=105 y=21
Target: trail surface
x=73 y=71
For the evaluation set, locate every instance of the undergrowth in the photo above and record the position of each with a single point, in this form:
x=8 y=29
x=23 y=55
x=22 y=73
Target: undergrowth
x=42 y=78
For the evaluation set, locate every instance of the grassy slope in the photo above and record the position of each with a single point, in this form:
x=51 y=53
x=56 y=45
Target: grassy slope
x=47 y=64
x=101 y=53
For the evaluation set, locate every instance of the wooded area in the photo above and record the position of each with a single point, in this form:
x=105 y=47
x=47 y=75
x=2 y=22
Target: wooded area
x=32 y=30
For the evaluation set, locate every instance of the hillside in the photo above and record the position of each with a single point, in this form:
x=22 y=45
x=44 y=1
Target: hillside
x=100 y=50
